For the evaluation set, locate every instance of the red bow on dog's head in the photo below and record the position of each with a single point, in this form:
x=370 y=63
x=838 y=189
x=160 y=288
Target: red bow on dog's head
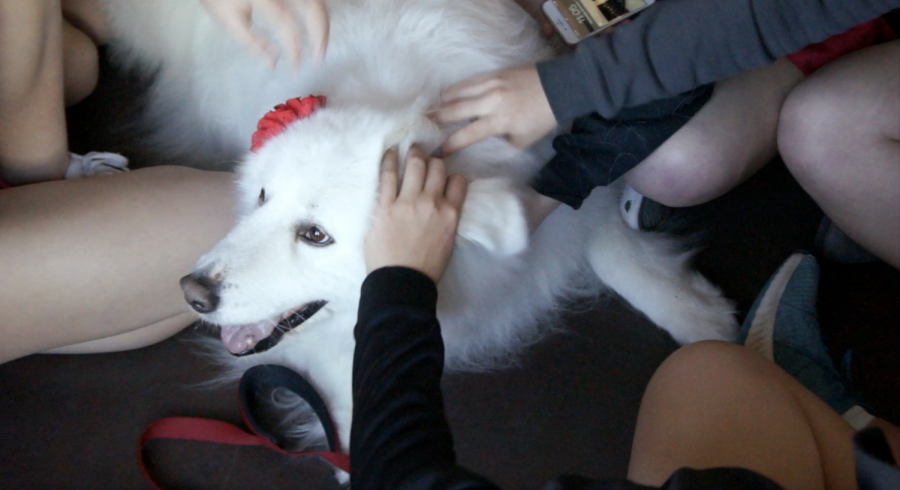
x=274 y=122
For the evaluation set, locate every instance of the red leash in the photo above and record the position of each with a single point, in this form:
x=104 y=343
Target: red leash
x=219 y=432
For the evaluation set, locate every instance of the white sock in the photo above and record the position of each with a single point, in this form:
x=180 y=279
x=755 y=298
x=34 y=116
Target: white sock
x=95 y=163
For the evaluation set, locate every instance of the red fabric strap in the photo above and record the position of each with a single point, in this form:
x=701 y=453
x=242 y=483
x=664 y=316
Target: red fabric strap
x=204 y=430
x=814 y=56
x=216 y=431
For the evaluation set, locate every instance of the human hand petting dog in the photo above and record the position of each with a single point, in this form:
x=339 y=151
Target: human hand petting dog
x=291 y=17
x=509 y=103
x=415 y=227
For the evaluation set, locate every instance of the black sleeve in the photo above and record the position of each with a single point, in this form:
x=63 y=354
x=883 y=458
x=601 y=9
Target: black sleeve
x=677 y=45
x=400 y=437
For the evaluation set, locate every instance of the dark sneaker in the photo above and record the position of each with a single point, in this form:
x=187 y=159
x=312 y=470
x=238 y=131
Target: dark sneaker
x=833 y=244
x=783 y=327
x=641 y=213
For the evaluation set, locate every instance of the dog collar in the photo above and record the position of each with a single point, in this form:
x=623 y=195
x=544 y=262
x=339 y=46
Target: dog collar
x=276 y=120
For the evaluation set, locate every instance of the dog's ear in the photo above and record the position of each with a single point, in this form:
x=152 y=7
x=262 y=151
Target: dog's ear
x=493 y=216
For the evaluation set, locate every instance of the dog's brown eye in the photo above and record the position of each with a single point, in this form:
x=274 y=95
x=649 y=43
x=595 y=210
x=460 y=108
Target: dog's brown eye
x=262 y=196
x=315 y=236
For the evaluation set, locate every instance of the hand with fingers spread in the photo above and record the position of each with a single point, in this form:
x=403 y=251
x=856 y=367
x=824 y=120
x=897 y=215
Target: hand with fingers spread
x=509 y=103
x=292 y=19
x=415 y=227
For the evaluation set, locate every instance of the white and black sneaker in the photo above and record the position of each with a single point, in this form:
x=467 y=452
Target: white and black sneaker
x=641 y=213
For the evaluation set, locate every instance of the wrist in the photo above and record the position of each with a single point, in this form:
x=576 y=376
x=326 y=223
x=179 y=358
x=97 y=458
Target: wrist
x=396 y=286
x=565 y=95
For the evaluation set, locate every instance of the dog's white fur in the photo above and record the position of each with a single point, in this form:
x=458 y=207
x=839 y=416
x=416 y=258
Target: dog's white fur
x=386 y=64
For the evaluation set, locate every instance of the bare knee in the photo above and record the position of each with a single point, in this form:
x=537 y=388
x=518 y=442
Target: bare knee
x=702 y=365
x=806 y=126
x=673 y=175
x=839 y=113
x=725 y=143
x=715 y=404
x=28 y=45
x=81 y=64
x=682 y=173
x=89 y=18
x=702 y=161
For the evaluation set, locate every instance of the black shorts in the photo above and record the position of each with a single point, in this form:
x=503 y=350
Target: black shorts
x=599 y=151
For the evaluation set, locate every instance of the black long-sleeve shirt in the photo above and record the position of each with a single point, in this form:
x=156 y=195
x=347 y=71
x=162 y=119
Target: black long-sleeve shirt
x=399 y=430
x=400 y=439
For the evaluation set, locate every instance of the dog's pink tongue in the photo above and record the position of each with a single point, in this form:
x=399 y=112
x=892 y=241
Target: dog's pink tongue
x=238 y=338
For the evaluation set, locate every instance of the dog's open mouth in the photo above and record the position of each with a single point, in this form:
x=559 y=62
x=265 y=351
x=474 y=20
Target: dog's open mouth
x=243 y=340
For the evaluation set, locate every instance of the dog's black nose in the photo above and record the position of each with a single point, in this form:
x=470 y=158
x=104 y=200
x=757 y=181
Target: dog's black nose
x=201 y=292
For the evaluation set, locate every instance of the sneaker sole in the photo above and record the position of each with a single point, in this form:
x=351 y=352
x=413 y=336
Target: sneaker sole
x=760 y=336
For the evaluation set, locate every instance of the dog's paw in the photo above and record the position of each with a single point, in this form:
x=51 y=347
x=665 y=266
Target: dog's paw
x=703 y=314
x=493 y=217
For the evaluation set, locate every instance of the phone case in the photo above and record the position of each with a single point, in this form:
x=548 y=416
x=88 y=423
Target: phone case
x=579 y=19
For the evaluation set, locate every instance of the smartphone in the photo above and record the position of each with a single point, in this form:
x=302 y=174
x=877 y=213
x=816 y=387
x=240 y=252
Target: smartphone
x=578 y=19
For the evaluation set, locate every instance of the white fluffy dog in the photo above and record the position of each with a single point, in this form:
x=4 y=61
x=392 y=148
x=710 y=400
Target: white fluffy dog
x=307 y=195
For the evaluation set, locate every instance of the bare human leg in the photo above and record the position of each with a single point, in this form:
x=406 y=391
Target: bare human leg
x=48 y=64
x=839 y=135
x=100 y=258
x=88 y=17
x=33 y=143
x=715 y=404
x=730 y=138
x=81 y=65
x=84 y=28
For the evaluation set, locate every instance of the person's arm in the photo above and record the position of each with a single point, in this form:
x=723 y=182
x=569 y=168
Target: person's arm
x=672 y=47
x=677 y=45
x=400 y=437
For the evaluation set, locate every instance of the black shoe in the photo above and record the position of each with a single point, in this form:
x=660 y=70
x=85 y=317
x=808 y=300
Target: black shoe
x=642 y=213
